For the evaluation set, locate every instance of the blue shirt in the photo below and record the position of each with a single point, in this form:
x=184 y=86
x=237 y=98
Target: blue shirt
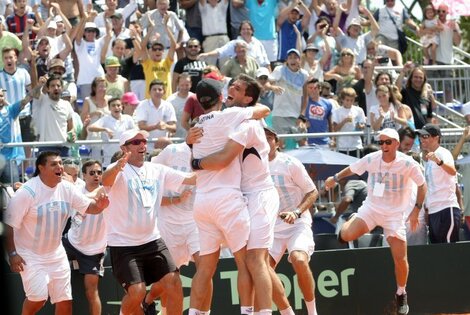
x=318 y=115
x=8 y=134
x=262 y=16
x=287 y=38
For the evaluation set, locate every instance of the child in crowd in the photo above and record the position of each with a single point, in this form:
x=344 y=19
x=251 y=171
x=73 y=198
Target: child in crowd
x=348 y=117
x=430 y=34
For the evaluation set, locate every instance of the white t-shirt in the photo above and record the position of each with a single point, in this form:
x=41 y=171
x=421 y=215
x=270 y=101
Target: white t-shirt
x=178 y=103
x=358 y=116
x=38 y=214
x=217 y=126
x=50 y=118
x=441 y=185
x=87 y=232
x=445 y=52
x=397 y=177
x=118 y=127
x=214 y=18
x=386 y=26
x=357 y=45
x=288 y=104
x=89 y=58
x=178 y=157
x=254 y=159
x=147 y=112
x=134 y=200
x=292 y=183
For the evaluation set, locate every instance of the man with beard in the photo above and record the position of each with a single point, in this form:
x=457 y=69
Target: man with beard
x=189 y=64
x=53 y=116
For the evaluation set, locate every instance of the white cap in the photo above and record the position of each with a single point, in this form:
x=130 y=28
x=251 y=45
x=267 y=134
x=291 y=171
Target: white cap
x=52 y=24
x=390 y=133
x=262 y=71
x=129 y=134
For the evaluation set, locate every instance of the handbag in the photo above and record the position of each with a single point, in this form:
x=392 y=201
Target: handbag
x=402 y=42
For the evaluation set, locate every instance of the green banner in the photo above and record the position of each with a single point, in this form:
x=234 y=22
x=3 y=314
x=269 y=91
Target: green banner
x=351 y=281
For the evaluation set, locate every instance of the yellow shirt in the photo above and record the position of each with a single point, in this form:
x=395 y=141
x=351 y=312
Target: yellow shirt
x=158 y=70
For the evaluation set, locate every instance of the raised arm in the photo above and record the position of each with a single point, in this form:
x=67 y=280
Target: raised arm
x=111 y=173
x=306 y=15
x=315 y=6
x=107 y=41
x=458 y=147
x=171 y=50
x=374 y=26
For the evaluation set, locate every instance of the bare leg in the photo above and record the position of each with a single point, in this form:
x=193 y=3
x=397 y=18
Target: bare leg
x=63 y=308
x=400 y=259
x=256 y=260
x=299 y=260
x=353 y=229
x=134 y=296
x=173 y=291
x=30 y=307
x=279 y=296
x=244 y=281
x=206 y=305
x=202 y=279
x=92 y=295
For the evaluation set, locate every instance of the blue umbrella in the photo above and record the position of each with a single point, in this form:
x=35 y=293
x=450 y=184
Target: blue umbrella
x=320 y=162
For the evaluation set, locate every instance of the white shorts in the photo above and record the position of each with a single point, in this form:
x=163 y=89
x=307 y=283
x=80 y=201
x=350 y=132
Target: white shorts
x=270 y=45
x=182 y=241
x=393 y=225
x=301 y=239
x=43 y=279
x=263 y=207
x=222 y=218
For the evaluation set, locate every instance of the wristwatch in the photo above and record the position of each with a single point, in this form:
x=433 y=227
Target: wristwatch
x=440 y=163
x=12 y=254
x=297 y=212
x=418 y=205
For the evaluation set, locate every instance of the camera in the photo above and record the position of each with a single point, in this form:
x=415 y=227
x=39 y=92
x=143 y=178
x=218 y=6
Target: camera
x=383 y=60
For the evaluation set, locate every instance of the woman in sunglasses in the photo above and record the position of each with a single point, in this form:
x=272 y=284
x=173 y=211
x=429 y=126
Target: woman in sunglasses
x=346 y=72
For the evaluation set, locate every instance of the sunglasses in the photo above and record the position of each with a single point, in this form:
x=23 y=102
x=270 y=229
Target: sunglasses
x=136 y=142
x=387 y=142
x=346 y=54
x=157 y=49
x=425 y=136
x=93 y=173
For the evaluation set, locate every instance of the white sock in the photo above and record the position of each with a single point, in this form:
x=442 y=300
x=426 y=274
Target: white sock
x=264 y=312
x=193 y=311
x=401 y=290
x=311 y=307
x=205 y=312
x=287 y=311
x=246 y=310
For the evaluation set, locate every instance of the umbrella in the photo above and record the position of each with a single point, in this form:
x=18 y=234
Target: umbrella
x=320 y=162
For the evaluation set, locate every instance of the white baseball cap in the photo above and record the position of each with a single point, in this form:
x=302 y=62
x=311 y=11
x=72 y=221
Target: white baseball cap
x=129 y=134
x=390 y=133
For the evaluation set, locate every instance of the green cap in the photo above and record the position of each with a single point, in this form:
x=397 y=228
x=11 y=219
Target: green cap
x=112 y=61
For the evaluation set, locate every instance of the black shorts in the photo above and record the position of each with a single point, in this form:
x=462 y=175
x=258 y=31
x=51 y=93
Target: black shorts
x=27 y=129
x=86 y=264
x=444 y=225
x=147 y=263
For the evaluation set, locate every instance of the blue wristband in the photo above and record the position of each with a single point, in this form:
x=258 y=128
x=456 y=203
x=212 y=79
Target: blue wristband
x=335 y=178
